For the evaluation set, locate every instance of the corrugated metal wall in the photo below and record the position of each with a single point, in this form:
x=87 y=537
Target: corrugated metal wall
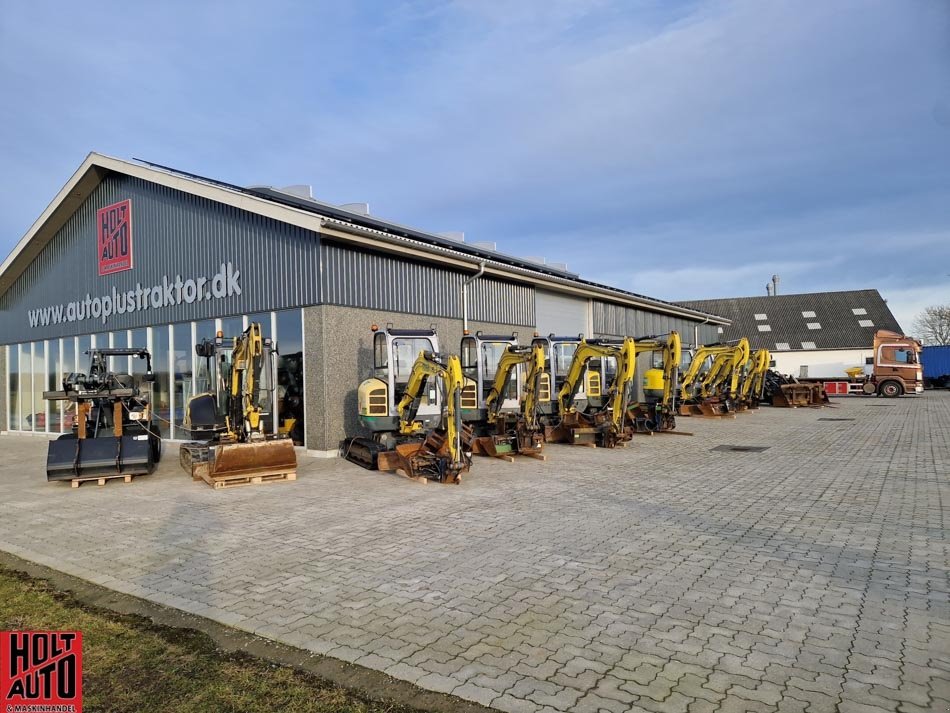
x=362 y=278
x=173 y=233
x=616 y=320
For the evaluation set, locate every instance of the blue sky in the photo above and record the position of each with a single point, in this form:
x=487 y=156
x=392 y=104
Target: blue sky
x=677 y=149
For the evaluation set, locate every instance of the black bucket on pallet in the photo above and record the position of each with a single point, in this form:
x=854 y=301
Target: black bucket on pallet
x=69 y=457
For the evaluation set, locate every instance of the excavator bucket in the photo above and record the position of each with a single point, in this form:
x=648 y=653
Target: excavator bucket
x=818 y=395
x=792 y=396
x=69 y=458
x=429 y=458
x=239 y=460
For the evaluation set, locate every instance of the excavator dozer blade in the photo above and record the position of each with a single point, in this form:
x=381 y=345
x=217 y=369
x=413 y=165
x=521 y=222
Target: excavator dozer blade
x=270 y=457
x=69 y=458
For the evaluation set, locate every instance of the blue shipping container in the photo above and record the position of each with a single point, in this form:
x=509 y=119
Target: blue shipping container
x=936 y=361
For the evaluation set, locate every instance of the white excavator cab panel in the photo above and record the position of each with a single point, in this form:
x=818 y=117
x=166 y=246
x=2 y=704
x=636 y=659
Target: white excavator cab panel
x=394 y=354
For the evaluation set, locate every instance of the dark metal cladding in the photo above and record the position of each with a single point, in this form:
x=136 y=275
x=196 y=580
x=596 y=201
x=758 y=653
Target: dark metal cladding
x=173 y=233
x=617 y=320
x=373 y=280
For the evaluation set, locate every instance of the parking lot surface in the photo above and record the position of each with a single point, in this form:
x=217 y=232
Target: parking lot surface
x=665 y=576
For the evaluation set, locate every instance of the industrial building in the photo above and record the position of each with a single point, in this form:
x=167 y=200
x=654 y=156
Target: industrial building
x=817 y=334
x=134 y=254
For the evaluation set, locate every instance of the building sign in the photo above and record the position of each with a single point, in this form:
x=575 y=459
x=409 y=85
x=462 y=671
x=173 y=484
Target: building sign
x=170 y=292
x=114 y=226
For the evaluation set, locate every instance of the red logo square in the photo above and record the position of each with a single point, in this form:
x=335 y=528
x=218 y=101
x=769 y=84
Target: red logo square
x=114 y=231
x=41 y=668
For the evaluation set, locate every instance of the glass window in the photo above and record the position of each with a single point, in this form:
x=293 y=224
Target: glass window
x=263 y=319
x=898 y=356
x=563 y=356
x=161 y=388
x=120 y=365
x=26 y=387
x=13 y=364
x=37 y=416
x=491 y=355
x=54 y=383
x=380 y=353
x=136 y=366
x=405 y=351
x=203 y=330
x=469 y=356
x=290 y=375
x=68 y=367
x=82 y=357
x=232 y=327
x=182 y=364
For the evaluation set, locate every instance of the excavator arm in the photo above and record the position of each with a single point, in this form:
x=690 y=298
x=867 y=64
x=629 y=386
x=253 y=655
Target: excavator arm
x=247 y=361
x=449 y=369
x=626 y=357
x=754 y=381
x=513 y=357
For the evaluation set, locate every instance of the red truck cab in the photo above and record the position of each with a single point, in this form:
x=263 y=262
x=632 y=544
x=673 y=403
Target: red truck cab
x=895 y=368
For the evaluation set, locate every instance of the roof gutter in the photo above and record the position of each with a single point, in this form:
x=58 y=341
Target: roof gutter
x=468 y=281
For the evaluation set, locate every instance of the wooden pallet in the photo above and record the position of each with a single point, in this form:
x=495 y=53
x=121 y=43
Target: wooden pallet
x=100 y=479
x=236 y=481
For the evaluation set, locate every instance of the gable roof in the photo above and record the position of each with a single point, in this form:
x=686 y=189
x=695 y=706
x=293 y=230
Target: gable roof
x=329 y=220
x=815 y=320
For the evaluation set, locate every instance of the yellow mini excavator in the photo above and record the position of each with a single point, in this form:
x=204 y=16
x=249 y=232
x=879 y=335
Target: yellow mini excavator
x=604 y=426
x=658 y=410
x=753 y=379
x=519 y=431
x=714 y=392
x=558 y=356
x=413 y=407
x=232 y=418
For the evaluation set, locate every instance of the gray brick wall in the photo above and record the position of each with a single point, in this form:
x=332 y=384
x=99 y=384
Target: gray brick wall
x=340 y=355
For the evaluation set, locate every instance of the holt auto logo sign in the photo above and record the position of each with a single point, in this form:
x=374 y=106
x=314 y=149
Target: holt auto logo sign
x=114 y=226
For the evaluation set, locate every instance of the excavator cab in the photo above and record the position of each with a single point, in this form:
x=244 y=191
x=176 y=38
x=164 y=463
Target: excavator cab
x=480 y=357
x=394 y=354
x=559 y=355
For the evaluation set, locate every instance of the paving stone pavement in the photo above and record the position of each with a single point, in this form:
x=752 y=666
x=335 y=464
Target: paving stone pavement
x=812 y=576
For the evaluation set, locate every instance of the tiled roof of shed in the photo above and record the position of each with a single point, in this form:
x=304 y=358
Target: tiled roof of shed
x=827 y=320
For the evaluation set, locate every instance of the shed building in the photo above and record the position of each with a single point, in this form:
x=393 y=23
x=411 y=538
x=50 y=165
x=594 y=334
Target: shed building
x=810 y=335
x=134 y=254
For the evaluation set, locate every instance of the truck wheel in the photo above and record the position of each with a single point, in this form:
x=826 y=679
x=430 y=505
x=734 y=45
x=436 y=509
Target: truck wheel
x=890 y=389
